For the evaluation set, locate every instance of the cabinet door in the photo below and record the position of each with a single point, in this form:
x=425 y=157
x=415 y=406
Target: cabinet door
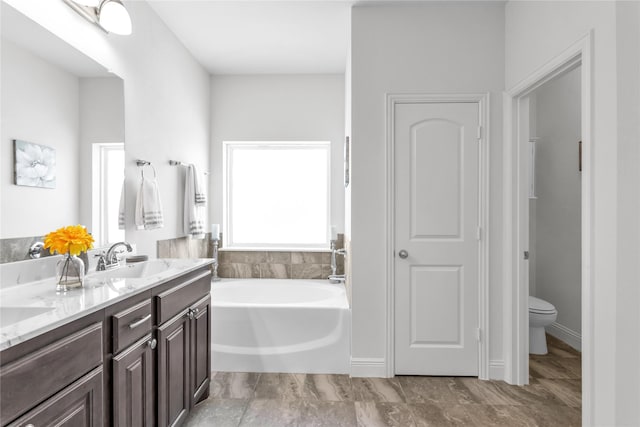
x=78 y=405
x=133 y=392
x=200 y=350
x=173 y=371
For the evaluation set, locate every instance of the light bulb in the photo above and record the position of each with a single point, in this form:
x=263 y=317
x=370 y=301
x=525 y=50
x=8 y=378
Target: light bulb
x=114 y=18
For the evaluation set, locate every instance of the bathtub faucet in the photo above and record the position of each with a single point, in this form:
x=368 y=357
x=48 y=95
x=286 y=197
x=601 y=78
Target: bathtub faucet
x=337 y=278
x=334 y=263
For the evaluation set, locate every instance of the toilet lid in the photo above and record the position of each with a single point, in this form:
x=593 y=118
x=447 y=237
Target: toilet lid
x=538 y=305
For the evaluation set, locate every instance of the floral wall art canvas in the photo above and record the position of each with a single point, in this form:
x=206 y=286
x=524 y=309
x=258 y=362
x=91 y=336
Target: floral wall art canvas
x=35 y=164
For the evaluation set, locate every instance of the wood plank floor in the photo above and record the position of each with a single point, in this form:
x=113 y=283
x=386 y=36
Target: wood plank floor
x=553 y=398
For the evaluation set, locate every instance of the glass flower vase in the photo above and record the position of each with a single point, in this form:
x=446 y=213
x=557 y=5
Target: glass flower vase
x=69 y=273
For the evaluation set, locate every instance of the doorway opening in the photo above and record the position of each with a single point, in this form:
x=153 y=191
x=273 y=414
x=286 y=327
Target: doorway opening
x=517 y=232
x=554 y=217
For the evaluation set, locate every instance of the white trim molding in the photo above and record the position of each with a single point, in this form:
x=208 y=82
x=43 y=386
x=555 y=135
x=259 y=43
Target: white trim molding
x=368 y=367
x=482 y=99
x=496 y=370
x=515 y=218
x=566 y=335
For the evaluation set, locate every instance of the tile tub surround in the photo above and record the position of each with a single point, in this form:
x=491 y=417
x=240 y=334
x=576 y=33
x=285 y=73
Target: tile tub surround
x=255 y=264
x=251 y=399
x=185 y=247
x=97 y=293
x=274 y=265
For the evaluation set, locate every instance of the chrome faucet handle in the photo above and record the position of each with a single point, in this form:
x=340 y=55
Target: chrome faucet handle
x=35 y=250
x=337 y=278
x=102 y=261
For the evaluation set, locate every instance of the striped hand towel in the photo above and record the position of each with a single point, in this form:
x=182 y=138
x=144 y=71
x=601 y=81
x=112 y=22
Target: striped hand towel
x=148 y=205
x=199 y=186
x=193 y=211
x=121 y=209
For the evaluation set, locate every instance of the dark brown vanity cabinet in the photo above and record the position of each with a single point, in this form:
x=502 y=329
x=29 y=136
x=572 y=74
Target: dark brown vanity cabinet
x=133 y=346
x=55 y=379
x=78 y=405
x=184 y=349
x=200 y=350
x=144 y=361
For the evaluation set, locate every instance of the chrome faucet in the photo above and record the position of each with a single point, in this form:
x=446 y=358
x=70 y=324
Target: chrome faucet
x=111 y=258
x=336 y=278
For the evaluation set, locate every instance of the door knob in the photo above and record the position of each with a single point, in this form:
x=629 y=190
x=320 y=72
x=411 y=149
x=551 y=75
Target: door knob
x=403 y=254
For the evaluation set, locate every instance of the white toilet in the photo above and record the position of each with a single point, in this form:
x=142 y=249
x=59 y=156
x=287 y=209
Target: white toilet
x=541 y=314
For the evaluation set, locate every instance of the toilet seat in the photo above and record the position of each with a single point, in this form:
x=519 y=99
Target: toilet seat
x=539 y=306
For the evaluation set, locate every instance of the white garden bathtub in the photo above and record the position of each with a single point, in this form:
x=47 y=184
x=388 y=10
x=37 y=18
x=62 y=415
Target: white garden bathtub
x=275 y=325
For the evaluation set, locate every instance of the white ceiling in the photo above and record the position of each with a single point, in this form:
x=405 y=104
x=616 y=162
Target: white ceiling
x=261 y=37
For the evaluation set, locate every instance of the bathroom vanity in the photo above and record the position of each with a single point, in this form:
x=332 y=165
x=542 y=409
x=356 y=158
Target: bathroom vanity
x=132 y=350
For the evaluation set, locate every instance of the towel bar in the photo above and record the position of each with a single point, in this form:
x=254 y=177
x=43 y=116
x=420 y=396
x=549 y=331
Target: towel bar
x=177 y=163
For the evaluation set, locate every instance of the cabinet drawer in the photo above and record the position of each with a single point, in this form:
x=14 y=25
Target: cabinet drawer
x=131 y=324
x=80 y=404
x=33 y=378
x=176 y=299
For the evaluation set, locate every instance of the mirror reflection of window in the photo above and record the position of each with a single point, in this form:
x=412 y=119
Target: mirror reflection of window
x=108 y=176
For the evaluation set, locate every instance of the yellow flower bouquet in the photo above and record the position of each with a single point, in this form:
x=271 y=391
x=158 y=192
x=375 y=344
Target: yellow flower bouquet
x=71 y=241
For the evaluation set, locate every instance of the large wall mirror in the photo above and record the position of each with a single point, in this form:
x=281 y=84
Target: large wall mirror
x=67 y=112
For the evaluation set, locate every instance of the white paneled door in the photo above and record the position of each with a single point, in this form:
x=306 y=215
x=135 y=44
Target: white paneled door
x=436 y=178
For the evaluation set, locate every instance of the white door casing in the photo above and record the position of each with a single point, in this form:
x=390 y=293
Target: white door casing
x=437 y=222
x=515 y=221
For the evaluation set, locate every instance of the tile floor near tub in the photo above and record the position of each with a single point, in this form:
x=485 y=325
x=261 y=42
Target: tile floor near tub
x=250 y=399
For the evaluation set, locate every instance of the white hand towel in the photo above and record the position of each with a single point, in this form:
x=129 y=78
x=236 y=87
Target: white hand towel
x=121 y=209
x=193 y=212
x=199 y=187
x=148 y=205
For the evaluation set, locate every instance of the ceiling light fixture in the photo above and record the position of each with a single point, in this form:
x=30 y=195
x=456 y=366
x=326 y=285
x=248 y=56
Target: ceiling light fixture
x=110 y=15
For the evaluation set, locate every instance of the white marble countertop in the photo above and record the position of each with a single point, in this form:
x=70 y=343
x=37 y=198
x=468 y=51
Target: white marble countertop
x=61 y=308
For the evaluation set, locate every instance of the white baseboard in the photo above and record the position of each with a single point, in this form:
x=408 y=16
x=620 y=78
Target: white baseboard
x=496 y=370
x=566 y=335
x=368 y=367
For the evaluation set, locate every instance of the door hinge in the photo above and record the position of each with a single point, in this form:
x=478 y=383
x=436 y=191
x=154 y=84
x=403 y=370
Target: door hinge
x=479 y=334
x=479 y=233
x=479 y=133
x=526 y=255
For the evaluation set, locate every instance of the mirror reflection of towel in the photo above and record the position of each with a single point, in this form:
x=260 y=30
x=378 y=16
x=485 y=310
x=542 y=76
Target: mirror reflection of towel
x=194 y=204
x=148 y=205
x=121 y=209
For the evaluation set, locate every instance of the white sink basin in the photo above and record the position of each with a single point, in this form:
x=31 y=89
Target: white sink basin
x=137 y=270
x=11 y=315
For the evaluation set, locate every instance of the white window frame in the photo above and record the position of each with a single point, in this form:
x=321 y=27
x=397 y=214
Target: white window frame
x=228 y=147
x=99 y=179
